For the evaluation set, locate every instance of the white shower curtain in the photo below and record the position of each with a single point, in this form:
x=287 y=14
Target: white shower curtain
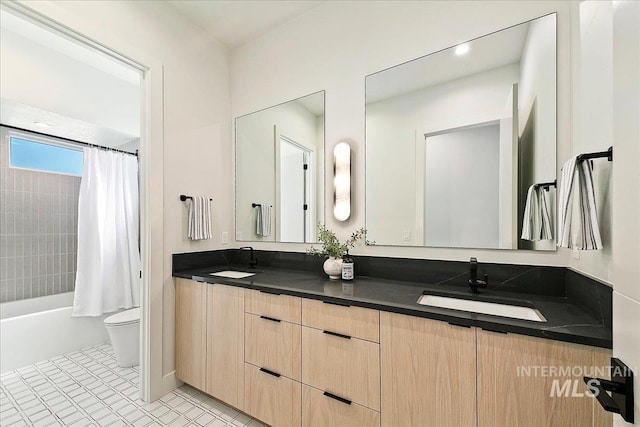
x=108 y=274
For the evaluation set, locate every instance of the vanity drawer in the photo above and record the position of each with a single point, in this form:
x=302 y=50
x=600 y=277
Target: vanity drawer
x=320 y=410
x=347 y=367
x=356 y=322
x=274 y=345
x=281 y=307
x=274 y=400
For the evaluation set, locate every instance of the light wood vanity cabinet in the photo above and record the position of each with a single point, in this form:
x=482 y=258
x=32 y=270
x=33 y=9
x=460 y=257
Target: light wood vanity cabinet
x=428 y=372
x=346 y=367
x=225 y=346
x=209 y=339
x=340 y=365
x=273 y=399
x=272 y=337
x=320 y=411
x=509 y=397
x=191 y=332
x=292 y=361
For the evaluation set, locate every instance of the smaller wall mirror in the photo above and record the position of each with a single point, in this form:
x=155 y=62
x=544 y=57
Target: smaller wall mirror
x=280 y=171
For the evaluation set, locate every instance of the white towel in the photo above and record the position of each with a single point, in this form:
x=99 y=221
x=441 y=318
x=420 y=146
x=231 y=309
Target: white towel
x=263 y=220
x=199 y=218
x=536 y=224
x=589 y=232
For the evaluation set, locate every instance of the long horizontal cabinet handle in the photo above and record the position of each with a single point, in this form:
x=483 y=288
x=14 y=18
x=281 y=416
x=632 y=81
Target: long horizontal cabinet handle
x=274 y=292
x=338 y=398
x=341 y=304
x=335 y=334
x=270 y=318
x=266 y=371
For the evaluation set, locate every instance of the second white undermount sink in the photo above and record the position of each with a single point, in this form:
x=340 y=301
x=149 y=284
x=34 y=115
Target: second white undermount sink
x=482 y=307
x=232 y=274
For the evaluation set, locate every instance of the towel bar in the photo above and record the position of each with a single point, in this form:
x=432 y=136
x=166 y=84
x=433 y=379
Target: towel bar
x=183 y=198
x=600 y=154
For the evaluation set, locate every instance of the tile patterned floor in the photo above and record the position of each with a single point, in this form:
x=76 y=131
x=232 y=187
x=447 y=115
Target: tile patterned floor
x=87 y=388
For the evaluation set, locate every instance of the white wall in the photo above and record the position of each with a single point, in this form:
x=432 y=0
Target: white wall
x=255 y=145
x=626 y=186
x=396 y=127
x=335 y=45
x=592 y=124
x=41 y=77
x=196 y=157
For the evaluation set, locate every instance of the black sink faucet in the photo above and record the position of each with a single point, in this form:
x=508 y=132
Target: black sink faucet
x=253 y=261
x=474 y=283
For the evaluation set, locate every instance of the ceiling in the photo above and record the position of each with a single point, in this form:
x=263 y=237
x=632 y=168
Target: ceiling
x=234 y=23
x=52 y=84
x=485 y=53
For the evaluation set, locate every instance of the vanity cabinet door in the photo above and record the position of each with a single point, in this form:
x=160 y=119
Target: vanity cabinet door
x=515 y=382
x=320 y=410
x=225 y=344
x=191 y=332
x=428 y=372
x=344 y=366
x=273 y=344
x=272 y=398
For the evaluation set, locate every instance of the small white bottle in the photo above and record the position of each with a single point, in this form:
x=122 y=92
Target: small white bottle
x=347 y=267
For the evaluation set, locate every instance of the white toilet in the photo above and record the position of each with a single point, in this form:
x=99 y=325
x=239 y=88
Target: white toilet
x=124 y=331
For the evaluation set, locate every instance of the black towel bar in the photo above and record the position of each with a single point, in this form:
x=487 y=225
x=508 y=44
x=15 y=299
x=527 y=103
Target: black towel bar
x=183 y=198
x=546 y=185
x=600 y=154
x=255 y=205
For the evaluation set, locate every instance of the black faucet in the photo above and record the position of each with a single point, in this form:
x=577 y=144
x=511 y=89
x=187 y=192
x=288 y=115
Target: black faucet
x=474 y=283
x=253 y=261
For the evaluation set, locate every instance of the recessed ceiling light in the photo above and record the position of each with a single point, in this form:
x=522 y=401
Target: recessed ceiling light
x=461 y=49
x=42 y=124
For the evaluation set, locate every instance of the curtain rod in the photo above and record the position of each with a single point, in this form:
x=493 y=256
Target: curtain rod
x=73 y=141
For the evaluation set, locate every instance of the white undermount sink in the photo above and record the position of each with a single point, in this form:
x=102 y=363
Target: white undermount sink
x=232 y=274
x=481 y=307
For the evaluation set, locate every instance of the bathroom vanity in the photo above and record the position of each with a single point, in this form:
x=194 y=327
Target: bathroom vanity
x=290 y=347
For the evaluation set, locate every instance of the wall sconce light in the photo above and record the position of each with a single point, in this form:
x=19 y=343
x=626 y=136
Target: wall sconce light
x=342 y=181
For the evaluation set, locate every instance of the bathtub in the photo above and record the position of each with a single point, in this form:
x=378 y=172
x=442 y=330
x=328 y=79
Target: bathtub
x=37 y=329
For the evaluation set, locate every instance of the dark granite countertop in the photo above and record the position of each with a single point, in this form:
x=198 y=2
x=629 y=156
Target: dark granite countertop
x=566 y=320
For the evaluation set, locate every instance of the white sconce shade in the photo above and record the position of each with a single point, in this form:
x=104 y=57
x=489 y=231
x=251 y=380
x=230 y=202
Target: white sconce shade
x=342 y=181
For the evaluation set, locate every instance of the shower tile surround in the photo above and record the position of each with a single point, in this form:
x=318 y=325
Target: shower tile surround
x=87 y=388
x=38 y=231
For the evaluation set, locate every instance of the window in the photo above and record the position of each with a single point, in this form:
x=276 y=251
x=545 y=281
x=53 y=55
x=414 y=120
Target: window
x=26 y=154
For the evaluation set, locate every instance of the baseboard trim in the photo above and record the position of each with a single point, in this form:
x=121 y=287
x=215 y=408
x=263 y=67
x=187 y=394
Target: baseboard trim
x=170 y=382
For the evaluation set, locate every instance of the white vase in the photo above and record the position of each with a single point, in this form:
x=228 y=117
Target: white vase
x=333 y=268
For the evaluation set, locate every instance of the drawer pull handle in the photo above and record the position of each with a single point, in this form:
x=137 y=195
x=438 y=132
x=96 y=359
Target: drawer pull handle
x=269 y=292
x=338 y=398
x=335 y=334
x=270 y=318
x=266 y=371
x=341 y=304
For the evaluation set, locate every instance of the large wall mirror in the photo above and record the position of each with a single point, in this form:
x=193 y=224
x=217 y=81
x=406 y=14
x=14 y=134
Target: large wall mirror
x=455 y=139
x=280 y=171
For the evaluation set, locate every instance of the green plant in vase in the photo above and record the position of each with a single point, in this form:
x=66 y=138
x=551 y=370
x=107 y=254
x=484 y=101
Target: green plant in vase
x=333 y=249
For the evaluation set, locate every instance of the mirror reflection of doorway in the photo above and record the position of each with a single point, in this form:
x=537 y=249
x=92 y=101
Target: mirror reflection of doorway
x=295 y=191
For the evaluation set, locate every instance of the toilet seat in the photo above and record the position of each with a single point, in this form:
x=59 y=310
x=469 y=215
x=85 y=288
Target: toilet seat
x=126 y=317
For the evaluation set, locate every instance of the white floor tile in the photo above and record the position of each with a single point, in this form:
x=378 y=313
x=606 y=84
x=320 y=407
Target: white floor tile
x=87 y=388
